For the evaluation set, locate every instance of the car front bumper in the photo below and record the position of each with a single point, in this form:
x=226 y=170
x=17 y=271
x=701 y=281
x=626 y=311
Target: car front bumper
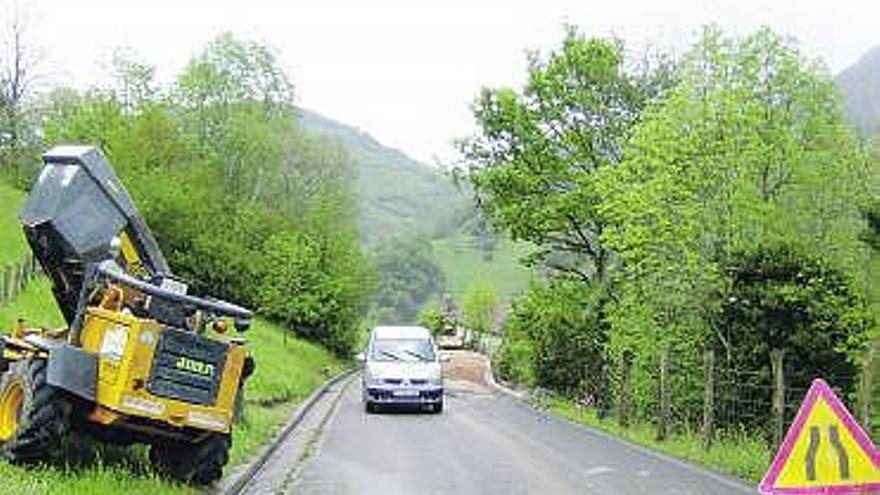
x=386 y=394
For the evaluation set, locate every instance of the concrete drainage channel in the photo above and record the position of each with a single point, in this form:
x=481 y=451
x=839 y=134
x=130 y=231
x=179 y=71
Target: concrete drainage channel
x=272 y=470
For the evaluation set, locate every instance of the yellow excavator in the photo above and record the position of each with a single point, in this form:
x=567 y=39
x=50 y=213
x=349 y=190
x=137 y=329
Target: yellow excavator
x=140 y=360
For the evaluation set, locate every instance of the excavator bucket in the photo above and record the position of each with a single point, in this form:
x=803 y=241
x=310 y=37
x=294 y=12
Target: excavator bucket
x=76 y=215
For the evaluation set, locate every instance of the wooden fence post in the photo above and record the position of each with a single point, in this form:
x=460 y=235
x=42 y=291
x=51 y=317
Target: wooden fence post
x=16 y=286
x=24 y=276
x=866 y=389
x=4 y=284
x=776 y=365
x=708 y=398
x=626 y=389
x=663 y=417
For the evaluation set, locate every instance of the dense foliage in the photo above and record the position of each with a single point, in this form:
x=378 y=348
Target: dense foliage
x=553 y=338
x=479 y=307
x=780 y=298
x=675 y=197
x=748 y=151
x=243 y=202
x=408 y=279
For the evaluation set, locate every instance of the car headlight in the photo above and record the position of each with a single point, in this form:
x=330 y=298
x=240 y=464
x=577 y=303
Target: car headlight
x=370 y=378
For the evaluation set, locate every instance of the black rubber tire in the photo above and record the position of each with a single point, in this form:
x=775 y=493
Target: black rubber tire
x=44 y=414
x=437 y=408
x=370 y=407
x=200 y=463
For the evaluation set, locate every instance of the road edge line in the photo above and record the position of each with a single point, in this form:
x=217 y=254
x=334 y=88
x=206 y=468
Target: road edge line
x=239 y=478
x=524 y=398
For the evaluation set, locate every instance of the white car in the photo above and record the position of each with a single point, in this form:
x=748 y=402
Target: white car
x=402 y=367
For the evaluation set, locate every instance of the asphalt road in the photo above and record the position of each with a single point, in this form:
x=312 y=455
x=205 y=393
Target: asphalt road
x=485 y=443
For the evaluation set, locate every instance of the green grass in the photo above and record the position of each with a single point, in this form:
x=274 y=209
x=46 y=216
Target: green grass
x=288 y=370
x=739 y=454
x=35 y=305
x=462 y=264
x=13 y=247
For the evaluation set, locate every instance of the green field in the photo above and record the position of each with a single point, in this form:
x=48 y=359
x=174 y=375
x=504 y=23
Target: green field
x=12 y=244
x=288 y=370
x=463 y=265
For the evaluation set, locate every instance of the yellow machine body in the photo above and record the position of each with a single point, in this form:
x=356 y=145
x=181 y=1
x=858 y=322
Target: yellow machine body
x=140 y=360
x=126 y=348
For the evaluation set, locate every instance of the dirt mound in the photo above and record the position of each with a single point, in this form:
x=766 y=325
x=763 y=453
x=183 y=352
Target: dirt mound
x=465 y=366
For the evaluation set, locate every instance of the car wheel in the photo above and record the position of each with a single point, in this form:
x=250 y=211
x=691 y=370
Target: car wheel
x=369 y=407
x=438 y=408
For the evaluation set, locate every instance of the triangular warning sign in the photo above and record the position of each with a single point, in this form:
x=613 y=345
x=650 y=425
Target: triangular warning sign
x=824 y=452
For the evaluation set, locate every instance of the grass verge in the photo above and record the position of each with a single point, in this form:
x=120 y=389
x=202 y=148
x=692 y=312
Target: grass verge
x=35 y=304
x=12 y=244
x=288 y=370
x=740 y=454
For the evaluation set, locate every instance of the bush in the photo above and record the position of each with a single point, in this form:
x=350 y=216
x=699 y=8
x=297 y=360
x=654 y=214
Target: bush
x=480 y=307
x=513 y=362
x=316 y=287
x=431 y=317
x=555 y=338
x=782 y=298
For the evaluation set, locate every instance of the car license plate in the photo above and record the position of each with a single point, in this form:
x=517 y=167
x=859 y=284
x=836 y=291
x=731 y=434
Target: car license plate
x=406 y=393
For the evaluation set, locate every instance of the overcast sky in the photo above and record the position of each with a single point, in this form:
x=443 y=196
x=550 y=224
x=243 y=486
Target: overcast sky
x=407 y=70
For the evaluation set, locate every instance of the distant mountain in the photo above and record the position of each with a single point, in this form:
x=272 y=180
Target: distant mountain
x=860 y=85
x=398 y=195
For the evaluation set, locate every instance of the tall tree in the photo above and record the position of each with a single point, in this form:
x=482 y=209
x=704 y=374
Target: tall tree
x=18 y=64
x=238 y=104
x=747 y=157
x=537 y=151
x=133 y=80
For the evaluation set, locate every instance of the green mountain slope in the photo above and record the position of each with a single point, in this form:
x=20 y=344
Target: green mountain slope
x=464 y=264
x=860 y=86
x=398 y=195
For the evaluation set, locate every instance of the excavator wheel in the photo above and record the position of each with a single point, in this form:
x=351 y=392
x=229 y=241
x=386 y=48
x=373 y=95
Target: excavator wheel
x=33 y=414
x=200 y=463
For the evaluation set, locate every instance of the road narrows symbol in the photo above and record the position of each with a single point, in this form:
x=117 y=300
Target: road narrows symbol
x=825 y=451
x=815 y=438
x=842 y=458
x=813 y=449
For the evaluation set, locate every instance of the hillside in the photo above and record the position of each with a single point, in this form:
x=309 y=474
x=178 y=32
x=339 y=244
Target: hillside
x=398 y=195
x=464 y=264
x=860 y=86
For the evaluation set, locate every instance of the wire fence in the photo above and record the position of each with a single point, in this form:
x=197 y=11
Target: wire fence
x=762 y=402
x=744 y=399
x=15 y=277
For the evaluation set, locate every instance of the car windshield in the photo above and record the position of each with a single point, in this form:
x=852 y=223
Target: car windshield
x=402 y=350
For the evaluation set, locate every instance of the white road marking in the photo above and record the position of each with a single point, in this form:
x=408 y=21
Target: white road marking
x=598 y=470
